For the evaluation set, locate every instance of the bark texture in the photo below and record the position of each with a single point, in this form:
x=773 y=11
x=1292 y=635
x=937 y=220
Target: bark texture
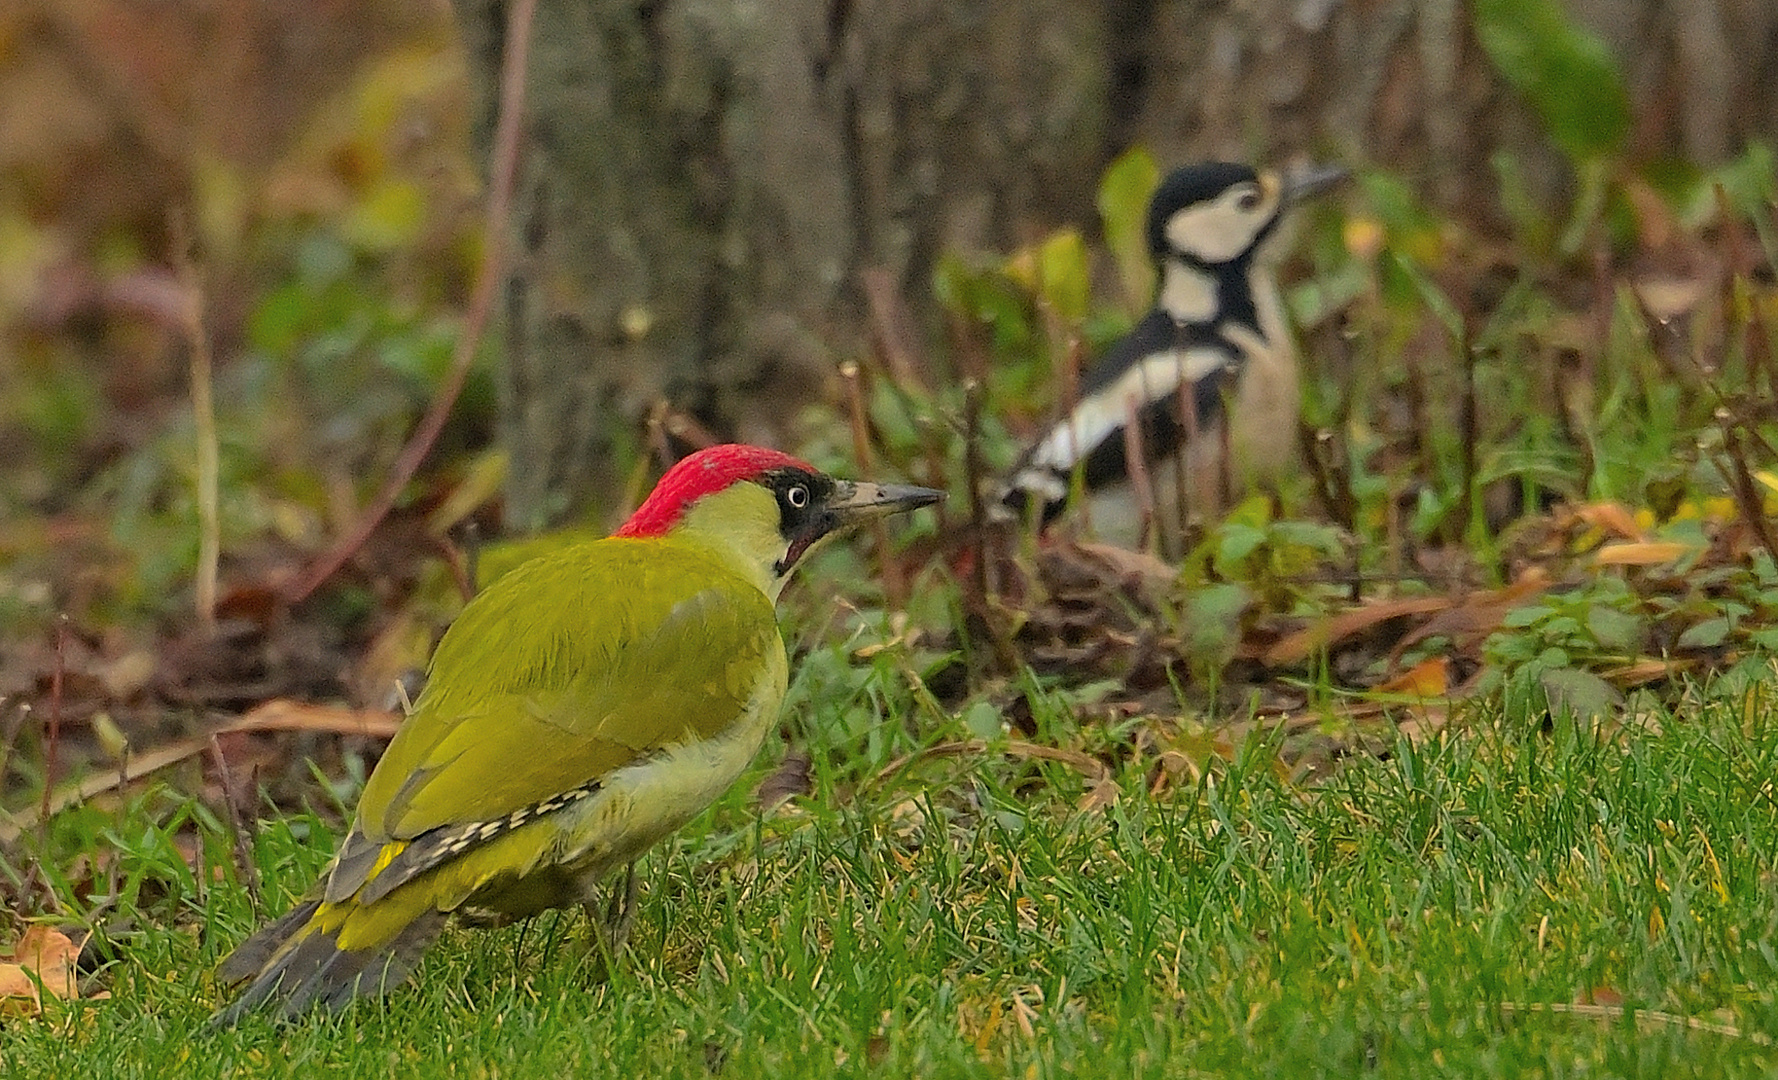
x=703 y=180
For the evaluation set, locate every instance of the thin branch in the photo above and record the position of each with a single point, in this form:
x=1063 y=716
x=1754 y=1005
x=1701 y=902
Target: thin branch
x=245 y=823
x=203 y=408
x=1136 y=466
x=975 y=471
x=54 y=740
x=894 y=580
x=894 y=329
x=1071 y=363
x=514 y=66
x=276 y=715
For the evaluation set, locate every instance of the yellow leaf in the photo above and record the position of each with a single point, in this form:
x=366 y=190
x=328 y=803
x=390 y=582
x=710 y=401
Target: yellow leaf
x=487 y=471
x=1428 y=678
x=389 y=215
x=1363 y=237
x=222 y=203
x=1644 y=553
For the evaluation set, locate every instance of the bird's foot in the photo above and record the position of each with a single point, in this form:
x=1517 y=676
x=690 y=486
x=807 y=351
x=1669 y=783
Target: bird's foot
x=612 y=926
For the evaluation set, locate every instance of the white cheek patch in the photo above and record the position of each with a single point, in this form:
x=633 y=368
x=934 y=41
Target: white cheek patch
x=1104 y=414
x=1217 y=231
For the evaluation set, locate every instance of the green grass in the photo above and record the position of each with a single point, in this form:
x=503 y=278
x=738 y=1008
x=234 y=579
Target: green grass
x=959 y=917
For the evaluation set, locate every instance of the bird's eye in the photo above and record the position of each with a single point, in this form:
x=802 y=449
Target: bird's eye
x=1248 y=201
x=797 y=497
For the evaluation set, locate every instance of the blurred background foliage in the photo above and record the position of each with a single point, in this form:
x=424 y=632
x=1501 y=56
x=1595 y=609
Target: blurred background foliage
x=1470 y=367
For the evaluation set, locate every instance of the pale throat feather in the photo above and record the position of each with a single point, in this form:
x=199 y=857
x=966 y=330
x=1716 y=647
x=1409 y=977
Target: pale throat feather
x=1188 y=295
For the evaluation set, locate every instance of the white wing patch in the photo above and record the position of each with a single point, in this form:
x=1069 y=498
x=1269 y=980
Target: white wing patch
x=1104 y=413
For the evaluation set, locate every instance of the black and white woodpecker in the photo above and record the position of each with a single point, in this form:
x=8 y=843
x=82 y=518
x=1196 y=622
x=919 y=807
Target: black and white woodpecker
x=1216 y=336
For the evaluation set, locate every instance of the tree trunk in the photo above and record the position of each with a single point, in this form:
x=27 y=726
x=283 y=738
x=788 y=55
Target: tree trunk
x=703 y=180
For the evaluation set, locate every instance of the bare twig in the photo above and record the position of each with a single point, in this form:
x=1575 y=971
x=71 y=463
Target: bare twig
x=461 y=562
x=685 y=427
x=1313 y=445
x=1136 y=465
x=895 y=588
x=981 y=587
x=1070 y=398
x=1742 y=485
x=20 y=713
x=1418 y=394
x=1755 y=347
x=894 y=329
x=1468 y=414
x=1188 y=426
x=974 y=470
x=277 y=715
x=658 y=442
x=970 y=351
x=53 y=743
x=514 y=66
x=1645 y=1017
x=245 y=822
x=203 y=407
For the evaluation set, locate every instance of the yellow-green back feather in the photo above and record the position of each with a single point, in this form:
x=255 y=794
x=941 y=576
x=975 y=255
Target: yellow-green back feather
x=573 y=665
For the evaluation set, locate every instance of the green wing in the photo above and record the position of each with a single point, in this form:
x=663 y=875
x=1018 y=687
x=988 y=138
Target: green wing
x=572 y=665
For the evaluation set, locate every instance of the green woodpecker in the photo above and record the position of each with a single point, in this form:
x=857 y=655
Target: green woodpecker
x=583 y=707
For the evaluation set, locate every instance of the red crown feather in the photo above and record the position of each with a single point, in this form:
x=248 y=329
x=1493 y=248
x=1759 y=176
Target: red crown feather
x=711 y=469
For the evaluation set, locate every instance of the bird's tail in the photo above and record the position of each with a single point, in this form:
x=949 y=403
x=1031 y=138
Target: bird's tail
x=297 y=963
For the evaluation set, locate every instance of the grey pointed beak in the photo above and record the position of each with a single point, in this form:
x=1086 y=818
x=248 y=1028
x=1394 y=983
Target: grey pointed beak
x=856 y=500
x=1307 y=181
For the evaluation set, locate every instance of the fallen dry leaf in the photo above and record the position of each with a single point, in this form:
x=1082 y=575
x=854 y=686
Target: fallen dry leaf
x=1297 y=647
x=1101 y=796
x=43 y=962
x=1646 y=553
x=1644 y=671
x=278 y=715
x=1431 y=677
x=790 y=779
x=1611 y=518
x=1476 y=615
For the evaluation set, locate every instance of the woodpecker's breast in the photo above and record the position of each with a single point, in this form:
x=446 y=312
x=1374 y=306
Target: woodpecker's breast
x=1263 y=413
x=641 y=804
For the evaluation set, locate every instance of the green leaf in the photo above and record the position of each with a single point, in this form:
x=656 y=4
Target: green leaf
x=1433 y=296
x=1123 y=208
x=1213 y=616
x=1531 y=223
x=1408 y=225
x=1706 y=635
x=983 y=720
x=1064 y=276
x=1614 y=629
x=954 y=283
x=1238 y=542
x=1566 y=73
x=1552 y=657
x=1311 y=535
x=1564 y=627
x=1519 y=618
x=1580 y=694
x=281 y=320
